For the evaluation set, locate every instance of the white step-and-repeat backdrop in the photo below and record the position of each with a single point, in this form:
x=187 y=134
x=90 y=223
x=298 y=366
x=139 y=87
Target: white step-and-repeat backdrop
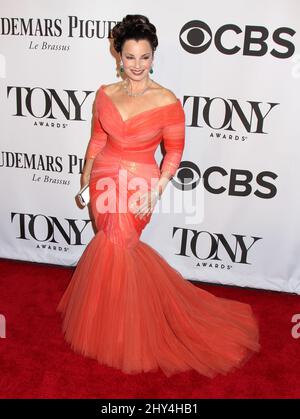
x=234 y=65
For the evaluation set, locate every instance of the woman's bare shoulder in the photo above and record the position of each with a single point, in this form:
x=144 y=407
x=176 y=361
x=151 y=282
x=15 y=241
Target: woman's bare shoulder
x=112 y=88
x=166 y=95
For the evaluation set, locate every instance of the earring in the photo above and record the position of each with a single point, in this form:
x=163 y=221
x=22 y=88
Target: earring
x=121 y=68
x=151 y=70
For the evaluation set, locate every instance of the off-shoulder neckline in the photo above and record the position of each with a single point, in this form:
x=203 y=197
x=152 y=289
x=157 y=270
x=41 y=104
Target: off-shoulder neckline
x=138 y=114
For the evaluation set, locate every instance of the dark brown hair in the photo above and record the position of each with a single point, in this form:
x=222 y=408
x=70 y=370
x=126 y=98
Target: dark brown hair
x=134 y=27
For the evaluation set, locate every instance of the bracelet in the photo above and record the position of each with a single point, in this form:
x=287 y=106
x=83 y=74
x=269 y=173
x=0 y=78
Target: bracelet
x=157 y=194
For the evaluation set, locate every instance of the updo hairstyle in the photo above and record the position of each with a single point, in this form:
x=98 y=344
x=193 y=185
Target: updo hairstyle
x=135 y=27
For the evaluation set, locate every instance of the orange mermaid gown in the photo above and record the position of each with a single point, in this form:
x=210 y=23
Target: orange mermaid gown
x=125 y=306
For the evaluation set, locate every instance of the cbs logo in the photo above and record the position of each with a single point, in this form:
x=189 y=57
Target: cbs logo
x=196 y=37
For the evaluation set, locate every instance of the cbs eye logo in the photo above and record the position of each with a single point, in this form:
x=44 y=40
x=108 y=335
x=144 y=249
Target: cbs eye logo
x=196 y=36
x=187 y=176
x=194 y=40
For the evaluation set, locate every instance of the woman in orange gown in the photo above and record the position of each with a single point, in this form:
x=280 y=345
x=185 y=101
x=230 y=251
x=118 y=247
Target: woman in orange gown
x=125 y=306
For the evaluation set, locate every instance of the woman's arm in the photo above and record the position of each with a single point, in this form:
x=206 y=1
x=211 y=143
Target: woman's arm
x=96 y=143
x=174 y=140
x=85 y=177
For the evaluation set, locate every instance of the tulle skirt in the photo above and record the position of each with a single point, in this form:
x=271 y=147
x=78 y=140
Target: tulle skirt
x=126 y=307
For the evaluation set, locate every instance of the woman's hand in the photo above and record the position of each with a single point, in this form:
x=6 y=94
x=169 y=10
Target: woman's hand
x=147 y=201
x=150 y=198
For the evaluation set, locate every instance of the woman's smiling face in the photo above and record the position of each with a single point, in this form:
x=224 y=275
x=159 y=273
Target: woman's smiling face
x=137 y=58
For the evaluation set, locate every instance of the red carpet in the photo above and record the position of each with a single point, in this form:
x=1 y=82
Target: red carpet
x=36 y=362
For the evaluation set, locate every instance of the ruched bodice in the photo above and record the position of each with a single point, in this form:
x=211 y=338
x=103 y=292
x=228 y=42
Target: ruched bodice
x=138 y=137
